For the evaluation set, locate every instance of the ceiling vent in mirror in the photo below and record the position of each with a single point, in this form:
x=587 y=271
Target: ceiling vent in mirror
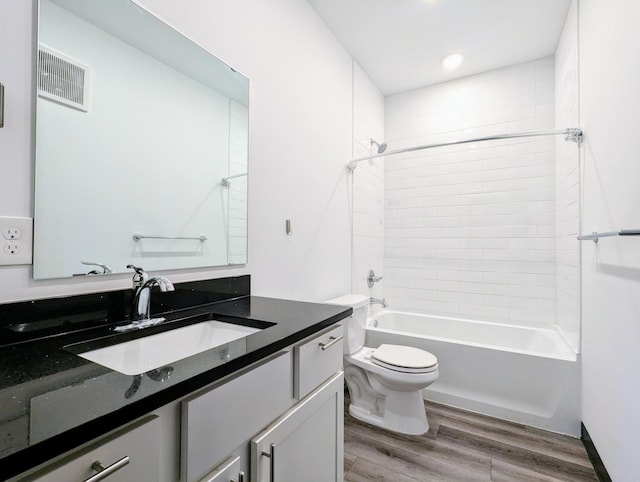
x=62 y=79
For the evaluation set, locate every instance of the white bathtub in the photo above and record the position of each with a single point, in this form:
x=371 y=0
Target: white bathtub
x=525 y=374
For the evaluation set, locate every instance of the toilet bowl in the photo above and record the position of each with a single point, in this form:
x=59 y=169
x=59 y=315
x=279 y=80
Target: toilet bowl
x=385 y=383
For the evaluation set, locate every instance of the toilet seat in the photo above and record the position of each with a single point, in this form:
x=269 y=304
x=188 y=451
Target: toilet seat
x=404 y=359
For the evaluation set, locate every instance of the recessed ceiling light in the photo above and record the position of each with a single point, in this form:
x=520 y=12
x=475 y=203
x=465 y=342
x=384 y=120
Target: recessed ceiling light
x=452 y=61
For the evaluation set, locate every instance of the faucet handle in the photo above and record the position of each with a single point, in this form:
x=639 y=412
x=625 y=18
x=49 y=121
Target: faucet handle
x=140 y=277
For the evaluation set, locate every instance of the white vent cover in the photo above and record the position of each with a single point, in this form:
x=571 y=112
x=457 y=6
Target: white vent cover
x=62 y=79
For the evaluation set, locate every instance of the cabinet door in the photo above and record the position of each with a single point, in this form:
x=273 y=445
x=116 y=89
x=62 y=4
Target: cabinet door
x=132 y=454
x=306 y=443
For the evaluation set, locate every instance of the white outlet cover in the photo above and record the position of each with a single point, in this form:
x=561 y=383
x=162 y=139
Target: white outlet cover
x=12 y=233
x=16 y=240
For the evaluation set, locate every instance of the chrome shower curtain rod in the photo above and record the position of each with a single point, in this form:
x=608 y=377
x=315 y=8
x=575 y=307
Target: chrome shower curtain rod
x=573 y=134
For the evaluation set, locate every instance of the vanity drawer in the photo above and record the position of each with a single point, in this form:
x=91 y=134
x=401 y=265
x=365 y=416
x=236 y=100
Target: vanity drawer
x=316 y=359
x=218 y=421
x=129 y=454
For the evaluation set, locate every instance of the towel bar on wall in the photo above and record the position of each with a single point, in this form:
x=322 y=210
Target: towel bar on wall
x=138 y=237
x=595 y=236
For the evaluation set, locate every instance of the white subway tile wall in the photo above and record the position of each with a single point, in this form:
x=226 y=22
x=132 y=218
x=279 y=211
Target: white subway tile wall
x=237 y=190
x=568 y=182
x=471 y=229
x=368 y=186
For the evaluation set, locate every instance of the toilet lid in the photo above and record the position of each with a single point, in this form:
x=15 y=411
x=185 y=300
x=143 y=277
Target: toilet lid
x=404 y=358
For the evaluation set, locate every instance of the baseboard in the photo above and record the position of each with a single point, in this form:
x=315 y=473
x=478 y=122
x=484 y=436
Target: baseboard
x=596 y=461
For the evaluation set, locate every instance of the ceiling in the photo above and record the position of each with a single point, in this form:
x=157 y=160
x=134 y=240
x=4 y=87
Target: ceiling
x=400 y=43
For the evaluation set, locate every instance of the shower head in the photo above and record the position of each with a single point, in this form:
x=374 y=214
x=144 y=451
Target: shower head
x=381 y=147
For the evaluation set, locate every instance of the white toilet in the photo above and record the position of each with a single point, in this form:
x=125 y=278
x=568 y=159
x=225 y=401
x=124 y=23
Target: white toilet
x=385 y=383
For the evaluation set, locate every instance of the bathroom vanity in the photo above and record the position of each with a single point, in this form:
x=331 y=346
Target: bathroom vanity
x=264 y=407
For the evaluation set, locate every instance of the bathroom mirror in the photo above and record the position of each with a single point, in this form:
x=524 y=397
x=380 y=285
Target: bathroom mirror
x=141 y=145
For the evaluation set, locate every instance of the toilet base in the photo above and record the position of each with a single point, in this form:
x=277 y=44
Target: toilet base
x=393 y=417
x=401 y=412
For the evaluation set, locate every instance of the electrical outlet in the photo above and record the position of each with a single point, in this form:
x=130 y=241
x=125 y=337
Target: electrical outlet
x=12 y=248
x=12 y=233
x=16 y=241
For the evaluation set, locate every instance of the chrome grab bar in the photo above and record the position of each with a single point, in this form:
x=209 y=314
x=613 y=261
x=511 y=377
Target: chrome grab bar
x=333 y=341
x=104 y=472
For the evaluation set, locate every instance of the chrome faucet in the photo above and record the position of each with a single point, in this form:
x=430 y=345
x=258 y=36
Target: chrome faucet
x=142 y=284
x=378 y=301
x=106 y=269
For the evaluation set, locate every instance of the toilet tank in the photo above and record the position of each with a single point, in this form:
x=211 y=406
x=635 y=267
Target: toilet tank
x=354 y=326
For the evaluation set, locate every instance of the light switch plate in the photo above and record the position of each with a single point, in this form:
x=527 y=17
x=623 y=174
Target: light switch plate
x=16 y=240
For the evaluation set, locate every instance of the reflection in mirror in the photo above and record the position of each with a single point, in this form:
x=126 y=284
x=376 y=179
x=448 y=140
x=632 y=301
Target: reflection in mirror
x=137 y=129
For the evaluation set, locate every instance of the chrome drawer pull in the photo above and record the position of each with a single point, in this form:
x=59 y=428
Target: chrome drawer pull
x=334 y=340
x=272 y=462
x=1 y=105
x=104 y=472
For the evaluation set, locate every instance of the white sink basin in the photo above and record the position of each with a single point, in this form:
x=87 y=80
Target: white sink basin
x=150 y=352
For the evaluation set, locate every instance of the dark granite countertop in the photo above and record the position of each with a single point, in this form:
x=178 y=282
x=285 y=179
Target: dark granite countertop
x=52 y=400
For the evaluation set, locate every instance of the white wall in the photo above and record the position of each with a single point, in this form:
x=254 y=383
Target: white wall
x=300 y=138
x=469 y=229
x=368 y=185
x=610 y=108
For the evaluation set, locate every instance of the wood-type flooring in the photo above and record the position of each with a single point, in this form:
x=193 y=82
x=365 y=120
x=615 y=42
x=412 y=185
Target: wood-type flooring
x=462 y=446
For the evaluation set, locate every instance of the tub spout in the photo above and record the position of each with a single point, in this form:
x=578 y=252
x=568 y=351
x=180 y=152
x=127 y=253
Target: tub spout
x=378 y=301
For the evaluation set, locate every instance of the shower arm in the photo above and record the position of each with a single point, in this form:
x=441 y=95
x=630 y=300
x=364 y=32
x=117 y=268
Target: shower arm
x=573 y=134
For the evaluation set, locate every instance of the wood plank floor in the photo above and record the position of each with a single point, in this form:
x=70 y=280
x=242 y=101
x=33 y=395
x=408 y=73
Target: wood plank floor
x=462 y=446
